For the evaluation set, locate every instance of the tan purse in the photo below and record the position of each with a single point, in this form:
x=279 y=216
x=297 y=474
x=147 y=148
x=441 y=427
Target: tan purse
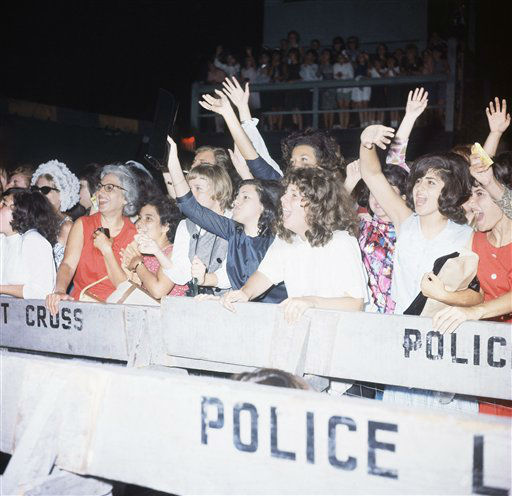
x=88 y=296
x=130 y=293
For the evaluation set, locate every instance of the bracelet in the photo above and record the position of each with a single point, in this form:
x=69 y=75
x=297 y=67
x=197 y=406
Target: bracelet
x=137 y=266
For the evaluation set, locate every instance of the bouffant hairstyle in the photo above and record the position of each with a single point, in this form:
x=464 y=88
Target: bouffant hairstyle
x=168 y=212
x=327 y=150
x=128 y=183
x=328 y=206
x=269 y=194
x=32 y=210
x=219 y=178
x=453 y=170
x=396 y=176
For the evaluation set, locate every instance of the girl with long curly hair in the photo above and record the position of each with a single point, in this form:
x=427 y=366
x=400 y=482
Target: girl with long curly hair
x=28 y=229
x=316 y=253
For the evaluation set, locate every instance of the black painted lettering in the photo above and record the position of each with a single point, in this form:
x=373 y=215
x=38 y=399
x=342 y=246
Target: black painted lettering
x=456 y=359
x=237 y=441
x=212 y=424
x=350 y=463
x=374 y=445
x=274 y=450
x=5 y=306
x=478 y=471
x=409 y=343
x=30 y=322
x=66 y=318
x=310 y=437
x=430 y=336
x=54 y=325
x=490 y=351
x=77 y=316
x=41 y=316
x=476 y=350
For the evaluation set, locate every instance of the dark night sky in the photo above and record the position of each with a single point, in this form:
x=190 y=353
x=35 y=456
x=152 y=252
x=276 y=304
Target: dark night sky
x=112 y=56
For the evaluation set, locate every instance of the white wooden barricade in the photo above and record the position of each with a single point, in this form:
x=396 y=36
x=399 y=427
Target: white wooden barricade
x=212 y=436
x=400 y=350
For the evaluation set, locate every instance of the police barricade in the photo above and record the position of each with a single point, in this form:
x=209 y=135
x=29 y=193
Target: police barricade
x=201 y=435
x=399 y=350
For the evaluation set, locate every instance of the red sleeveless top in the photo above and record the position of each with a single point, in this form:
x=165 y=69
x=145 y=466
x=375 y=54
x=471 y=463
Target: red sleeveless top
x=91 y=266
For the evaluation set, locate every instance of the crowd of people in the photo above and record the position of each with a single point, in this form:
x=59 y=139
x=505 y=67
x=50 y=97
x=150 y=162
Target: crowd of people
x=430 y=237
x=292 y=62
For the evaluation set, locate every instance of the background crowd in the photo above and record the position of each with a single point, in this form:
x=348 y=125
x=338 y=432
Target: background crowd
x=340 y=59
x=376 y=234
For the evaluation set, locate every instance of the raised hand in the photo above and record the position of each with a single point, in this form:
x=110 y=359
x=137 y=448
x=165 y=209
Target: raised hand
x=482 y=173
x=416 y=102
x=240 y=164
x=497 y=116
x=377 y=135
x=218 y=105
x=234 y=91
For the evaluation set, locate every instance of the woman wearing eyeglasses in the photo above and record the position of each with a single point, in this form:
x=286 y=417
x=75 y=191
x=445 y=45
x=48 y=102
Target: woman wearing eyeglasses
x=62 y=189
x=28 y=229
x=92 y=258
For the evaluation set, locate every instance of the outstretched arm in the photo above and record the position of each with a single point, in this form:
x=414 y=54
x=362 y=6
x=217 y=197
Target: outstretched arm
x=239 y=97
x=371 y=172
x=499 y=121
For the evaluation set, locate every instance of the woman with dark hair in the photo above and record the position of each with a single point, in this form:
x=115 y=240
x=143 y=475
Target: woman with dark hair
x=249 y=232
x=147 y=186
x=92 y=259
x=316 y=253
x=28 y=227
x=151 y=250
x=89 y=181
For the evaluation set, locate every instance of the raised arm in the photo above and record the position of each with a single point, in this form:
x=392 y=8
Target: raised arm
x=371 y=172
x=499 y=121
x=417 y=101
x=221 y=105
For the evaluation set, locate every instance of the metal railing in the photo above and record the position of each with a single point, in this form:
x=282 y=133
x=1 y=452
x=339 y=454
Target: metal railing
x=316 y=87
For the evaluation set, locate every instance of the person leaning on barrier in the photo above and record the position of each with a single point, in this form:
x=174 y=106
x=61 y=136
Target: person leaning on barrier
x=92 y=259
x=28 y=229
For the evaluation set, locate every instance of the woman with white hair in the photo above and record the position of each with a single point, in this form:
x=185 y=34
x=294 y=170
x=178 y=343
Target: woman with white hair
x=92 y=258
x=62 y=189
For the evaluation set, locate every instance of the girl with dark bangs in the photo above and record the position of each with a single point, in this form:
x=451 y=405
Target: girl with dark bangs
x=431 y=223
x=316 y=253
x=249 y=232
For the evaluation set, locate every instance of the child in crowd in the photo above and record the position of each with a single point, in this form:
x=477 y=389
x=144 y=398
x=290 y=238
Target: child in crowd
x=317 y=227
x=249 y=232
x=343 y=69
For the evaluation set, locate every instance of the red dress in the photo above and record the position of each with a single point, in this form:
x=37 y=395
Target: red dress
x=91 y=266
x=152 y=264
x=495 y=276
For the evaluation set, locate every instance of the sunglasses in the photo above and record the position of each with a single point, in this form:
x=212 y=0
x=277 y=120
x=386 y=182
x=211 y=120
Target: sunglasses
x=44 y=189
x=109 y=187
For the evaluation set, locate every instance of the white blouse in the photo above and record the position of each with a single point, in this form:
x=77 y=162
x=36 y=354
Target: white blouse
x=27 y=259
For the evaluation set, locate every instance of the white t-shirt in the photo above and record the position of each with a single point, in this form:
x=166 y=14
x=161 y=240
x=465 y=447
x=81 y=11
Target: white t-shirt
x=333 y=270
x=415 y=256
x=343 y=71
x=180 y=273
x=27 y=259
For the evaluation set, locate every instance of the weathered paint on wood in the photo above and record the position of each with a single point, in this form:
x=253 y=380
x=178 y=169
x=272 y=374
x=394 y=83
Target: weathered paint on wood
x=210 y=436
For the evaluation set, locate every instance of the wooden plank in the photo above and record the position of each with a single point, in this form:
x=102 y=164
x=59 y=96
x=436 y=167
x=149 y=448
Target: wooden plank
x=83 y=329
x=403 y=350
x=210 y=436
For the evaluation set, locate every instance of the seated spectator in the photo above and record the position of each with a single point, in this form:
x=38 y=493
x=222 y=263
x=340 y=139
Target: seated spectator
x=89 y=180
x=20 y=177
x=316 y=229
x=54 y=180
x=198 y=257
x=92 y=259
x=151 y=250
x=28 y=228
x=352 y=50
x=249 y=232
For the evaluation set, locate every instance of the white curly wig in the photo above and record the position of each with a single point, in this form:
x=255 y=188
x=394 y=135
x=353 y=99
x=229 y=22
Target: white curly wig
x=65 y=181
